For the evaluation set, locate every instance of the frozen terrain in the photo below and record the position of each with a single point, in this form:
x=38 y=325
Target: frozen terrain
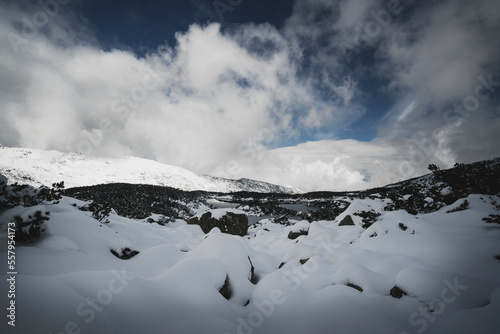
x=37 y=168
x=436 y=271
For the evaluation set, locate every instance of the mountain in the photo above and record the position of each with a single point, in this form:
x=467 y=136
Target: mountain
x=419 y=195
x=36 y=167
x=422 y=255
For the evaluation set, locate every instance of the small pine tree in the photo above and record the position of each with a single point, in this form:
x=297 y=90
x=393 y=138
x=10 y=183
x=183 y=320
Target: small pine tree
x=29 y=226
x=51 y=194
x=100 y=211
x=433 y=168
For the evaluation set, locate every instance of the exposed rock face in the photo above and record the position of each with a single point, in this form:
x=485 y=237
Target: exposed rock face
x=226 y=290
x=230 y=222
x=347 y=221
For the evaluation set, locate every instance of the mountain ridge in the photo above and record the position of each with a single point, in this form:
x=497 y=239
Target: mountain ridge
x=38 y=167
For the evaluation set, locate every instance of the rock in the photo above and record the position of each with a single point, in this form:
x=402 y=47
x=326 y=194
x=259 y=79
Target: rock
x=3 y=180
x=254 y=279
x=294 y=235
x=303 y=261
x=354 y=286
x=347 y=221
x=126 y=253
x=397 y=292
x=230 y=222
x=226 y=291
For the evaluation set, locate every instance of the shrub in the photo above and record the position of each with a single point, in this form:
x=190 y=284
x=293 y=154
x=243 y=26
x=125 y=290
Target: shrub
x=433 y=168
x=100 y=211
x=368 y=218
x=492 y=219
x=29 y=223
x=461 y=207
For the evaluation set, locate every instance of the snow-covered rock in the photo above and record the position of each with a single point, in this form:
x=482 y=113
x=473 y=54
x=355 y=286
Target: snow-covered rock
x=230 y=221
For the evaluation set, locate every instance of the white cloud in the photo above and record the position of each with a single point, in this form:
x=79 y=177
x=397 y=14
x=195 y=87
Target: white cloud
x=212 y=102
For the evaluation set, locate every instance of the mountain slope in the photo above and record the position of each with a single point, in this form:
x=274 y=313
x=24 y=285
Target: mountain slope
x=36 y=167
x=434 y=272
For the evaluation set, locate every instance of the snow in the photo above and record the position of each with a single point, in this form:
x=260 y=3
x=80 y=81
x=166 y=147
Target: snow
x=446 y=191
x=219 y=213
x=36 y=167
x=445 y=262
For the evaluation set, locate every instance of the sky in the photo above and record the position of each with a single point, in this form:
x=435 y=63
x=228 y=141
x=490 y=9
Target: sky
x=315 y=94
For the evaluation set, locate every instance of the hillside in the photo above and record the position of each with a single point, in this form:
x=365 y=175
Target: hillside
x=422 y=255
x=37 y=168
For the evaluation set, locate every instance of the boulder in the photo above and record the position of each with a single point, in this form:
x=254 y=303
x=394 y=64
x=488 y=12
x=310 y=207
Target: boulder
x=231 y=221
x=347 y=221
x=3 y=180
x=294 y=235
x=397 y=292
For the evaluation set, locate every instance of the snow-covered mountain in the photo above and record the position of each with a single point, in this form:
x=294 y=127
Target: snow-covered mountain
x=37 y=168
x=421 y=256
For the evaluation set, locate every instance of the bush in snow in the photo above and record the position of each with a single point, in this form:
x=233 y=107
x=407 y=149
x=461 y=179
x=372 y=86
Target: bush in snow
x=125 y=253
x=461 y=207
x=25 y=195
x=495 y=219
x=28 y=224
x=368 y=217
x=100 y=211
x=51 y=194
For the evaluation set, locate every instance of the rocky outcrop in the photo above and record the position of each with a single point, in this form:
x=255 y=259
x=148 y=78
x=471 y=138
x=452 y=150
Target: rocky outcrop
x=347 y=221
x=231 y=222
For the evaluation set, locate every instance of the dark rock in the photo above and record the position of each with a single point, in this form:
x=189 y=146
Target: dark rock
x=226 y=291
x=254 y=279
x=294 y=235
x=281 y=265
x=354 y=286
x=497 y=257
x=303 y=261
x=231 y=223
x=126 y=253
x=347 y=221
x=397 y=292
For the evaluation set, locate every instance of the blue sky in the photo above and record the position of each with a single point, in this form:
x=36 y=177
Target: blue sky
x=142 y=27
x=317 y=94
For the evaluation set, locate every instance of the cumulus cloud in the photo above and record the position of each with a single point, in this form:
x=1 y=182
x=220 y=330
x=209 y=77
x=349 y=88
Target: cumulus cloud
x=223 y=102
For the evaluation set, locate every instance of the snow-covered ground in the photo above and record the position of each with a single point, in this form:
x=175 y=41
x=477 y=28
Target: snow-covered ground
x=69 y=281
x=37 y=168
